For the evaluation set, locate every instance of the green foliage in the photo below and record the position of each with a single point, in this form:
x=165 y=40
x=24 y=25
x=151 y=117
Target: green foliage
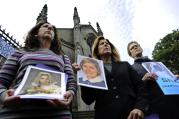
x=167 y=51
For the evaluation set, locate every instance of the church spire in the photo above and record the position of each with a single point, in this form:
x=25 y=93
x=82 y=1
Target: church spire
x=76 y=18
x=43 y=15
x=100 y=33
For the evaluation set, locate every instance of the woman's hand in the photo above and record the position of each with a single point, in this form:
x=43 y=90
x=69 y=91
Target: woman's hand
x=177 y=75
x=10 y=99
x=150 y=76
x=136 y=114
x=68 y=97
x=76 y=66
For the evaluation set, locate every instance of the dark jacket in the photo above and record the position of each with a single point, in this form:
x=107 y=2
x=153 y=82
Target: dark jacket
x=138 y=65
x=125 y=92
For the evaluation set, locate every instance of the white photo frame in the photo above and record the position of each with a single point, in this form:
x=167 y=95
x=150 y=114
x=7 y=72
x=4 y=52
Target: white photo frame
x=98 y=81
x=159 y=69
x=30 y=87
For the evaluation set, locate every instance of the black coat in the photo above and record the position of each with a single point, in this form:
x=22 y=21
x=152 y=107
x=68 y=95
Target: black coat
x=125 y=92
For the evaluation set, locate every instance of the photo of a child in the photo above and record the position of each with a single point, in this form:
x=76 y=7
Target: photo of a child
x=44 y=83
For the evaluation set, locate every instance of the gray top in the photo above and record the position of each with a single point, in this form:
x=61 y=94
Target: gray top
x=108 y=66
x=12 y=73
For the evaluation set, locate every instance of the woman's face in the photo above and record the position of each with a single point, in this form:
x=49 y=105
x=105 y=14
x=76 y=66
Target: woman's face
x=90 y=70
x=46 y=31
x=103 y=47
x=44 y=80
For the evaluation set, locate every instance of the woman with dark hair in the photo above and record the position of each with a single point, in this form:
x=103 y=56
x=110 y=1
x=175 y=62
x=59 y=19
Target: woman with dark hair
x=42 y=49
x=33 y=42
x=125 y=97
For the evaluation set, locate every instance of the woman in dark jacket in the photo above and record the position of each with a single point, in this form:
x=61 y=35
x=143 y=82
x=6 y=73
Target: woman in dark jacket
x=125 y=97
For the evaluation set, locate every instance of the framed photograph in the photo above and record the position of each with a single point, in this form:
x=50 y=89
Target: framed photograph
x=91 y=73
x=166 y=80
x=159 y=69
x=40 y=83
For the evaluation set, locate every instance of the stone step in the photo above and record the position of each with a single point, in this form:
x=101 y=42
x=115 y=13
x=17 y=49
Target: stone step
x=83 y=115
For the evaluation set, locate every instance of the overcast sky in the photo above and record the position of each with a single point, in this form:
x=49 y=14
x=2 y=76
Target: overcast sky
x=121 y=21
